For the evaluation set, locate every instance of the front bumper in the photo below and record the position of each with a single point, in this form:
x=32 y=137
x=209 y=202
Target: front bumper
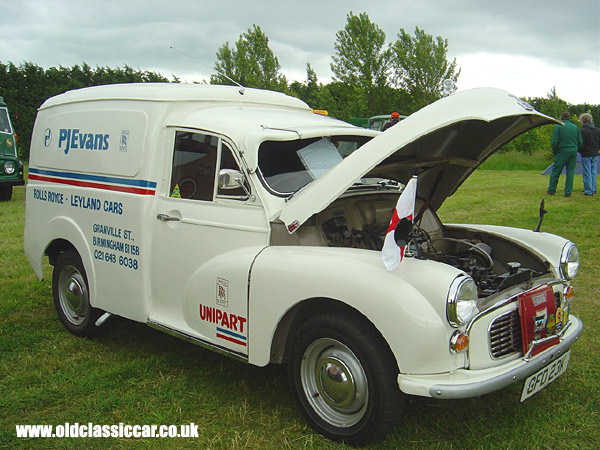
x=465 y=383
x=8 y=183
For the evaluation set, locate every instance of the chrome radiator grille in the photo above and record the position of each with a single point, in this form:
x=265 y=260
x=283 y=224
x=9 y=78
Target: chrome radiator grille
x=505 y=335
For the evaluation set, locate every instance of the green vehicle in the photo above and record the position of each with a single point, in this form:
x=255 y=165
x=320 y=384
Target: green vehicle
x=11 y=169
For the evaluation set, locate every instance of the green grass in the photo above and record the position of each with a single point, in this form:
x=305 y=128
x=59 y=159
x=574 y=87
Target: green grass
x=518 y=161
x=136 y=375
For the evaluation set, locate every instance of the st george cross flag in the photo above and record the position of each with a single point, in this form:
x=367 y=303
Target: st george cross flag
x=391 y=253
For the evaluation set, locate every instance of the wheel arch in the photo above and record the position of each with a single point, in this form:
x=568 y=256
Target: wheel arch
x=287 y=284
x=62 y=234
x=289 y=323
x=56 y=247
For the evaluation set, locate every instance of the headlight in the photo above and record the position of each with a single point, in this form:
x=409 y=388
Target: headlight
x=9 y=167
x=461 y=305
x=569 y=261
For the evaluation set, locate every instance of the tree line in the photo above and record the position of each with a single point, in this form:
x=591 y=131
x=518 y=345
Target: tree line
x=370 y=77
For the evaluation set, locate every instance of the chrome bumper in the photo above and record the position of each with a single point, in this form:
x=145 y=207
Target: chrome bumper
x=466 y=383
x=527 y=368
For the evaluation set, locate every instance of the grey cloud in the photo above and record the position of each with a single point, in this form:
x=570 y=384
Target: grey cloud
x=140 y=32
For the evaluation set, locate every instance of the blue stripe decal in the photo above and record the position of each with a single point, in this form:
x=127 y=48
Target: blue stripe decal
x=231 y=333
x=98 y=178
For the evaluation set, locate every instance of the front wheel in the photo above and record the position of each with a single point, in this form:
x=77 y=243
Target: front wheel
x=71 y=296
x=344 y=378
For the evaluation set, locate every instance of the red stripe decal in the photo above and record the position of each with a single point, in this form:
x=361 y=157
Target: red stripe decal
x=230 y=339
x=106 y=187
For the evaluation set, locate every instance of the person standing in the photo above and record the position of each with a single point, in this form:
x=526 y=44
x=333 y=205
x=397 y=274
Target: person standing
x=566 y=140
x=589 y=153
x=394 y=119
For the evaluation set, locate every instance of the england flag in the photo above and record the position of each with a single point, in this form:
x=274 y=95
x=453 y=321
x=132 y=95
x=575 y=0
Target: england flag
x=391 y=253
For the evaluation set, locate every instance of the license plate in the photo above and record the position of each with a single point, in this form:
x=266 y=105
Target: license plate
x=545 y=376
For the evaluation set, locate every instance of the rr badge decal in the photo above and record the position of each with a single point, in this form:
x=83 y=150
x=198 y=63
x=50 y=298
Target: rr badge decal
x=222 y=292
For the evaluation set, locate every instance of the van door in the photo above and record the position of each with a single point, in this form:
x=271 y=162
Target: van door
x=204 y=243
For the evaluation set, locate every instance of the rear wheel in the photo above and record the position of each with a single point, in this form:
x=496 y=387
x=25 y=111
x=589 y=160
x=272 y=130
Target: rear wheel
x=344 y=378
x=5 y=193
x=71 y=296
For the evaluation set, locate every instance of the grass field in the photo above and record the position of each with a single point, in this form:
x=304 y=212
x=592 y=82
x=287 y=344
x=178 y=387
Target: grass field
x=136 y=375
x=518 y=161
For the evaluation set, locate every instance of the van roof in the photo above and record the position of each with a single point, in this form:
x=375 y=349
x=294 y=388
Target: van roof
x=176 y=92
x=247 y=119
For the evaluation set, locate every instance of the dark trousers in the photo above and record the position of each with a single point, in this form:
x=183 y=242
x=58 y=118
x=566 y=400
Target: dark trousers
x=562 y=159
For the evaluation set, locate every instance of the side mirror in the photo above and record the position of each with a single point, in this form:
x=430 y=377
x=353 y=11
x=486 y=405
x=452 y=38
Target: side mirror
x=543 y=212
x=230 y=179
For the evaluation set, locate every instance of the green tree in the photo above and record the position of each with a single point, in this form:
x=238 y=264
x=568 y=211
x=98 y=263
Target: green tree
x=250 y=63
x=309 y=90
x=24 y=89
x=420 y=66
x=337 y=98
x=533 y=141
x=361 y=59
x=552 y=105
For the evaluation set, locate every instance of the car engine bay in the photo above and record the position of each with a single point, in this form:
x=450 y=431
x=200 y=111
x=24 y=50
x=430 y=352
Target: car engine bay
x=361 y=221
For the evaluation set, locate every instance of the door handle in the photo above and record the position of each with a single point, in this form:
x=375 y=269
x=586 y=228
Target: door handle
x=167 y=218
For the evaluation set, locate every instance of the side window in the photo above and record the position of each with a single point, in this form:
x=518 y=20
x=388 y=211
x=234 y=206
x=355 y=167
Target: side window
x=194 y=165
x=229 y=162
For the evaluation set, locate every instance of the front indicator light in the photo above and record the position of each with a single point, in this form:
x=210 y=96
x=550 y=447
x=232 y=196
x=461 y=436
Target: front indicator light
x=459 y=342
x=569 y=292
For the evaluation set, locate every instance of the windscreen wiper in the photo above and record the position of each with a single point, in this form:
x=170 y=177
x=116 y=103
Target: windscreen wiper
x=375 y=183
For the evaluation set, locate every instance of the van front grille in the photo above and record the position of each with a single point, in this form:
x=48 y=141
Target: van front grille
x=505 y=335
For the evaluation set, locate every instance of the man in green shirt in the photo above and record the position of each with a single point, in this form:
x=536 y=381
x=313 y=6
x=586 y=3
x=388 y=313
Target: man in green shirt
x=566 y=140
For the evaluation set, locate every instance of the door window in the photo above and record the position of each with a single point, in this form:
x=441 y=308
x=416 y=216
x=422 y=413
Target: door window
x=194 y=165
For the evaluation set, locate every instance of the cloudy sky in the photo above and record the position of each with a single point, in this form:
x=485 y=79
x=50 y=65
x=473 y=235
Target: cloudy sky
x=524 y=46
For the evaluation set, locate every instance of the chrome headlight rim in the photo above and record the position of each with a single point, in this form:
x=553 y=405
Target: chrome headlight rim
x=461 y=303
x=9 y=167
x=569 y=261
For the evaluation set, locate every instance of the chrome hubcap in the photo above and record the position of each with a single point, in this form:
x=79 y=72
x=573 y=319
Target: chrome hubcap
x=334 y=382
x=73 y=295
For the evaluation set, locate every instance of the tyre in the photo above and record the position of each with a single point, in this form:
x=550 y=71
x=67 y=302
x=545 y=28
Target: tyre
x=71 y=296
x=344 y=378
x=5 y=194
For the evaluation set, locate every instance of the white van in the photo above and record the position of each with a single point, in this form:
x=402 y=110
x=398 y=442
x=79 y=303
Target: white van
x=241 y=221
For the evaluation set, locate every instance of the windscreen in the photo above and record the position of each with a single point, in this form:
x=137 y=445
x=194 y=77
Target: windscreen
x=287 y=166
x=4 y=122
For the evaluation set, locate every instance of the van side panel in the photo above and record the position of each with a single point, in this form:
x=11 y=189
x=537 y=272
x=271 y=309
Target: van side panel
x=92 y=181
x=92 y=140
